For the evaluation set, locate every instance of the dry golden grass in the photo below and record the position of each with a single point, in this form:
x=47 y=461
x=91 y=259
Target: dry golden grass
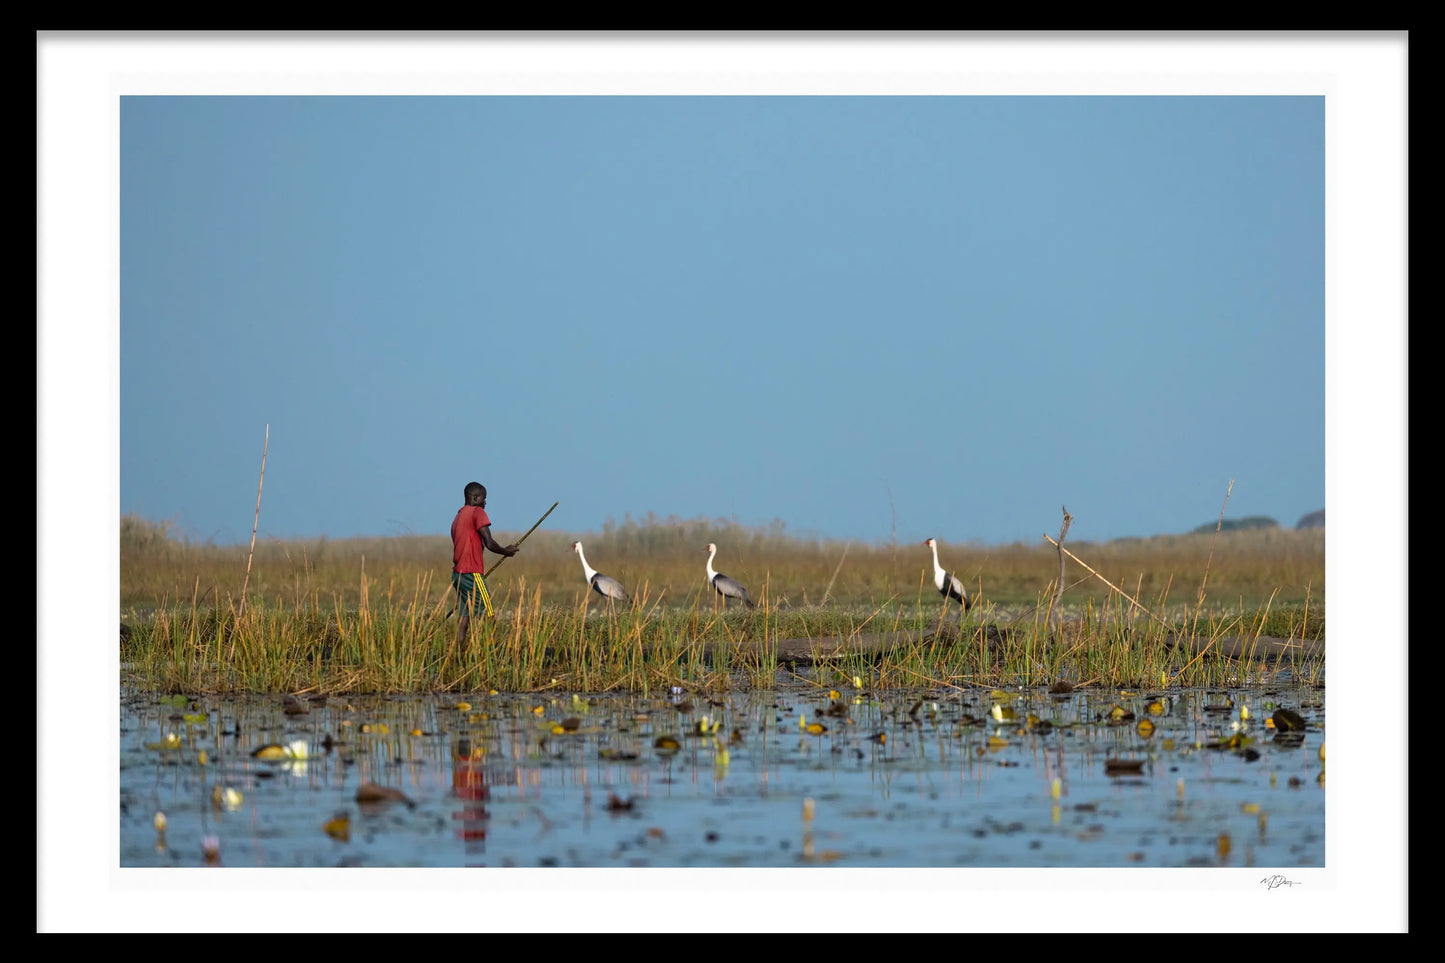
x=372 y=614
x=158 y=568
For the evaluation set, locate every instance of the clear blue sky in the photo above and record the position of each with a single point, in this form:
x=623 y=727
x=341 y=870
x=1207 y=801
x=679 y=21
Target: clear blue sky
x=954 y=313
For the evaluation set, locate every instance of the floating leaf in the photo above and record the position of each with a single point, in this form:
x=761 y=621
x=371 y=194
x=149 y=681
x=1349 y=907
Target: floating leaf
x=463 y=707
x=293 y=706
x=338 y=827
x=1287 y=721
x=1156 y=707
x=1145 y=728
x=225 y=797
x=1120 y=767
x=194 y=718
x=607 y=752
x=816 y=729
x=417 y=732
x=995 y=742
x=666 y=744
x=270 y=751
x=173 y=701
x=369 y=792
x=1237 y=741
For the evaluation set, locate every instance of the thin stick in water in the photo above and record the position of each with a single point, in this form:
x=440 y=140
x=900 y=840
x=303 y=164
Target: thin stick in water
x=836 y=570
x=255 y=523
x=1058 y=616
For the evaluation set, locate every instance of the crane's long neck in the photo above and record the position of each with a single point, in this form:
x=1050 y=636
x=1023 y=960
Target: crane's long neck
x=710 y=573
x=937 y=569
x=588 y=569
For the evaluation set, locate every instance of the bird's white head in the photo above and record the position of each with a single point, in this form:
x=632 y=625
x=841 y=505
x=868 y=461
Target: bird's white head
x=576 y=546
x=929 y=542
x=710 y=547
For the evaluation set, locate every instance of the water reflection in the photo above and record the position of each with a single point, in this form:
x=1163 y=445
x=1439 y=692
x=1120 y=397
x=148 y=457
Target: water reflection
x=807 y=776
x=469 y=785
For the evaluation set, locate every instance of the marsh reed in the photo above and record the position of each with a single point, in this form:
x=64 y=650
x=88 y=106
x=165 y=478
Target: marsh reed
x=372 y=615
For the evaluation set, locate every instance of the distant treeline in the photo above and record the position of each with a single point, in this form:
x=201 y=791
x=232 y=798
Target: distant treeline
x=1314 y=519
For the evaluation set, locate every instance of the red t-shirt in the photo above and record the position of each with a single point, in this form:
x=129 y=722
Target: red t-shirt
x=467 y=540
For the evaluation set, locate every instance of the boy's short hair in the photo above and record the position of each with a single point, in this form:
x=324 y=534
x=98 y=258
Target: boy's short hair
x=473 y=488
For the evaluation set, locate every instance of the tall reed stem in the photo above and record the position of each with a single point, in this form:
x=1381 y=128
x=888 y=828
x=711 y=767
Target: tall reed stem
x=255 y=523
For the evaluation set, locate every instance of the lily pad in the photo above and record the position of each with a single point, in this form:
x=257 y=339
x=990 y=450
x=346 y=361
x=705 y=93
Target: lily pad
x=370 y=792
x=1123 y=767
x=1287 y=721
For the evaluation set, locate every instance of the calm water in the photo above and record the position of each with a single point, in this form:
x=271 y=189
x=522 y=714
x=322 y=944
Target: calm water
x=935 y=778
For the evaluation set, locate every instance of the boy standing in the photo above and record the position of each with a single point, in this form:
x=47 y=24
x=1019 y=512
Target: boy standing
x=471 y=532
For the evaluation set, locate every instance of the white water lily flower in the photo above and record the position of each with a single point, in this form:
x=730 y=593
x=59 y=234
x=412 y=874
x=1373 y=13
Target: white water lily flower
x=297 y=749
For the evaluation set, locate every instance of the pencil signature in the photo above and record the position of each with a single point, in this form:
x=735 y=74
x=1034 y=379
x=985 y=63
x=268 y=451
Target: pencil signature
x=1273 y=882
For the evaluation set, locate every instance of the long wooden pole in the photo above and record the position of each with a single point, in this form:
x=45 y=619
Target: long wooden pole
x=524 y=537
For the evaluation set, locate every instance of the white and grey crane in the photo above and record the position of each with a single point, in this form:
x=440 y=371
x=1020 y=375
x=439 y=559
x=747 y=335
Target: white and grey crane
x=950 y=586
x=604 y=585
x=728 y=588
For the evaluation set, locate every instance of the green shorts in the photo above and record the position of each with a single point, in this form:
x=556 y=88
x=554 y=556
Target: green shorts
x=472 y=593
